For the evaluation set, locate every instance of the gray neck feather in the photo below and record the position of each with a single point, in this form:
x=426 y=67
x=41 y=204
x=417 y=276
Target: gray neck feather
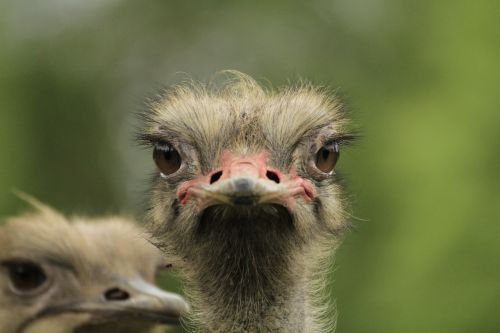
x=248 y=274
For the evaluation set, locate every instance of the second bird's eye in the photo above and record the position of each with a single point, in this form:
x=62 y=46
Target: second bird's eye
x=25 y=276
x=166 y=158
x=327 y=157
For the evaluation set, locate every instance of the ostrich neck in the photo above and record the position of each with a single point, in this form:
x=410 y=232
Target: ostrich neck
x=249 y=274
x=240 y=305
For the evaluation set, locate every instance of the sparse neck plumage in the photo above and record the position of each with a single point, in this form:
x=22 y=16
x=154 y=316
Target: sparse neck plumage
x=250 y=275
x=278 y=310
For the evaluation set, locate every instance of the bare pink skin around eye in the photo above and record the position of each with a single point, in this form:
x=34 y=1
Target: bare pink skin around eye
x=288 y=186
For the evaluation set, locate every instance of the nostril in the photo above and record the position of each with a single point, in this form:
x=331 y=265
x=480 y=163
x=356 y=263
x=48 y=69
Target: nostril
x=116 y=294
x=273 y=176
x=215 y=177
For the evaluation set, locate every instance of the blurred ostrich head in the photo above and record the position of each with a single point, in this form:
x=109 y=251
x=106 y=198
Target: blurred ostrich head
x=81 y=275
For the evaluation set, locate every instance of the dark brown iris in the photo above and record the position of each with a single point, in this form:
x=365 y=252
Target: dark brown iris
x=166 y=158
x=327 y=156
x=25 y=276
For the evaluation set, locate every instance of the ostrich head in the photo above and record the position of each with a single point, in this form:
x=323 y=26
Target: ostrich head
x=64 y=276
x=247 y=198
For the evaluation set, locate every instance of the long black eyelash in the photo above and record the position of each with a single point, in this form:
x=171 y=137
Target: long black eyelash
x=149 y=140
x=344 y=139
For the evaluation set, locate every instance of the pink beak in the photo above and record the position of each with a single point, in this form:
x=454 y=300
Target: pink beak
x=246 y=180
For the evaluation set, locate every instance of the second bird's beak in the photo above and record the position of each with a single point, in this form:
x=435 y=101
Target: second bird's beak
x=134 y=300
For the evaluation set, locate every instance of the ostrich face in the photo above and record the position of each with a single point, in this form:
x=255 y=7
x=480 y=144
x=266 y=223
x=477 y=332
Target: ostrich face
x=242 y=168
x=57 y=276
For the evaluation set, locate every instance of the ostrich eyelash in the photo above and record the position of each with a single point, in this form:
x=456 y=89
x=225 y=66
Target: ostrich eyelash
x=149 y=140
x=344 y=139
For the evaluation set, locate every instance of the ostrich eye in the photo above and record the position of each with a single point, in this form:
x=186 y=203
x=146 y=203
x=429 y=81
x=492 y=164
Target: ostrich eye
x=327 y=157
x=25 y=276
x=166 y=158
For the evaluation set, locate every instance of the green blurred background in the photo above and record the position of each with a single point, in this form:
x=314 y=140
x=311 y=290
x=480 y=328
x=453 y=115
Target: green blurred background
x=421 y=77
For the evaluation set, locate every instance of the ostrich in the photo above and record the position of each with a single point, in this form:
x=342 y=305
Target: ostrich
x=247 y=200
x=59 y=276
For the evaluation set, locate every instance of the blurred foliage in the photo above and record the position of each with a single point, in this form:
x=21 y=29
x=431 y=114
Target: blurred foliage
x=421 y=77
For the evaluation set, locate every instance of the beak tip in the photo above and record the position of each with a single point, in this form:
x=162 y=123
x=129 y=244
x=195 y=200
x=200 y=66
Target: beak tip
x=243 y=185
x=182 y=305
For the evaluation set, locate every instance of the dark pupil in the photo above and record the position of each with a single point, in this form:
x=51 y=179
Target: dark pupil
x=325 y=153
x=168 y=153
x=26 y=276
